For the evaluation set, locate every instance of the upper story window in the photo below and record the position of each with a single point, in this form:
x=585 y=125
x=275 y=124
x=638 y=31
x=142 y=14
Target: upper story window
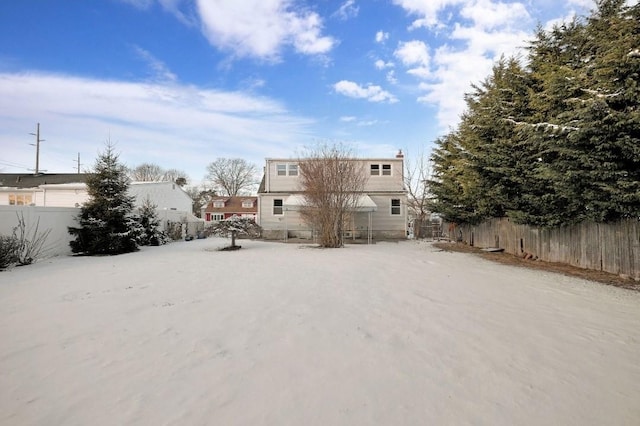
x=20 y=199
x=218 y=204
x=287 y=169
x=247 y=204
x=380 y=169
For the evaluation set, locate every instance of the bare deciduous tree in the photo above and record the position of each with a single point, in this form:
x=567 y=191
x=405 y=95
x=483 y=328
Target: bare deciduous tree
x=332 y=181
x=417 y=175
x=177 y=176
x=146 y=172
x=232 y=176
x=149 y=172
x=200 y=197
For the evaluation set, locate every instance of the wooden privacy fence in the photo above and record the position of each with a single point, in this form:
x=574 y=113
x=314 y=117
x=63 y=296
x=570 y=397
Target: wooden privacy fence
x=609 y=247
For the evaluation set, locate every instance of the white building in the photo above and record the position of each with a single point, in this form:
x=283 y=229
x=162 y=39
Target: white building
x=381 y=212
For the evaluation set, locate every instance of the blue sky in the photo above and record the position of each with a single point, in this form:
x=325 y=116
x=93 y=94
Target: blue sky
x=180 y=83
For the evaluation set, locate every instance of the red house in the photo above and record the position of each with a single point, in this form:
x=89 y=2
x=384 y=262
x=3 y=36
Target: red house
x=224 y=207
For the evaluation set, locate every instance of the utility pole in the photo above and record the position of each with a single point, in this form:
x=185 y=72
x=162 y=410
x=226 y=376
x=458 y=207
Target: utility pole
x=78 y=161
x=37 y=145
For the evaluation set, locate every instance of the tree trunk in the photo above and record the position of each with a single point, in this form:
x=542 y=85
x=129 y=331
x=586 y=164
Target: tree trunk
x=233 y=238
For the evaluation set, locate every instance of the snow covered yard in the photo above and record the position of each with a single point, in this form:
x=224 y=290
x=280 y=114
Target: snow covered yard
x=393 y=333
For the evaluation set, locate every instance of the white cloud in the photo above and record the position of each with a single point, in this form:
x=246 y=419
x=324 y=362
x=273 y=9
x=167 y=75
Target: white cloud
x=380 y=64
x=427 y=10
x=140 y=4
x=261 y=28
x=381 y=37
x=347 y=10
x=414 y=54
x=488 y=14
x=160 y=71
x=391 y=77
x=347 y=118
x=174 y=126
x=370 y=92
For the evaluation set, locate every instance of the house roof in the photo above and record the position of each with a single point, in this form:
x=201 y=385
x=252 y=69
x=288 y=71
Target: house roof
x=25 y=180
x=233 y=205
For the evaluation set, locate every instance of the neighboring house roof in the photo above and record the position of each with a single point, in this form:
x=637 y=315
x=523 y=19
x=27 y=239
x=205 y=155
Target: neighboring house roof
x=233 y=205
x=24 y=180
x=165 y=195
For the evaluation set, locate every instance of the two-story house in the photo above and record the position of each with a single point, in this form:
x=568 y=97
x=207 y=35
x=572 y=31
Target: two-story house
x=221 y=208
x=382 y=206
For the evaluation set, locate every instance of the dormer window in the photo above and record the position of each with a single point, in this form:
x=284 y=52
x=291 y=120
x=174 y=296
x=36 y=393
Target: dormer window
x=380 y=169
x=218 y=204
x=247 y=204
x=287 y=169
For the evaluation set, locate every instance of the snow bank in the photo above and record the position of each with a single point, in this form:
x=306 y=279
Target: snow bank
x=393 y=333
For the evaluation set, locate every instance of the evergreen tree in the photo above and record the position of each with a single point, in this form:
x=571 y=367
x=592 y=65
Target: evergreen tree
x=454 y=185
x=489 y=135
x=557 y=142
x=151 y=234
x=107 y=225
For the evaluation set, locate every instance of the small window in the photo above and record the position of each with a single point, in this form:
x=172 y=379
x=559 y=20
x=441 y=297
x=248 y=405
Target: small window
x=218 y=217
x=386 y=169
x=293 y=170
x=395 y=206
x=282 y=169
x=218 y=204
x=277 y=207
x=247 y=204
x=375 y=170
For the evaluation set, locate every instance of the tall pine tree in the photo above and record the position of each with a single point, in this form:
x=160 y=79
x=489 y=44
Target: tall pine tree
x=107 y=225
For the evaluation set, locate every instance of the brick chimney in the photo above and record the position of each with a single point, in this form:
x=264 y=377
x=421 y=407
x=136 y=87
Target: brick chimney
x=399 y=154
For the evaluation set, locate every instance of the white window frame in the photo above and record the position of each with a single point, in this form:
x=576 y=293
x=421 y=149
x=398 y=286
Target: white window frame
x=386 y=169
x=217 y=217
x=247 y=204
x=374 y=169
x=281 y=169
x=293 y=169
x=218 y=204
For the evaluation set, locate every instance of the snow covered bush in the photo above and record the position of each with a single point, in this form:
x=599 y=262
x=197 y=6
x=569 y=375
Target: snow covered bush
x=151 y=234
x=8 y=251
x=235 y=226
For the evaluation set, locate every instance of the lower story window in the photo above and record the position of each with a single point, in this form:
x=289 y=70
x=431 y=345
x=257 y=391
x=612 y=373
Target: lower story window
x=19 y=199
x=395 y=206
x=218 y=217
x=277 y=207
